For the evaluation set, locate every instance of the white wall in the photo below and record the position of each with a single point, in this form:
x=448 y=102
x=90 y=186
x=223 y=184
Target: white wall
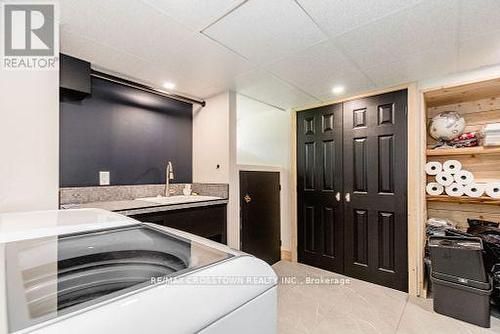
x=211 y=140
x=263 y=143
x=29 y=137
x=263 y=133
x=214 y=143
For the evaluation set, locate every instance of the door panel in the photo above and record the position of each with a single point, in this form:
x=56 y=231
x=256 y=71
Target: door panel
x=319 y=166
x=327 y=169
x=360 y=237
x=310 y=166
x=328 y=222
x=386 y=251
x=360 y=173
x=260 y=214
x=386 y=164
x=375 y=176
x=309 y=222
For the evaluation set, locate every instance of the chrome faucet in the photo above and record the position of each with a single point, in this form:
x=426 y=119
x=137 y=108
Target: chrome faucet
x=169 y=175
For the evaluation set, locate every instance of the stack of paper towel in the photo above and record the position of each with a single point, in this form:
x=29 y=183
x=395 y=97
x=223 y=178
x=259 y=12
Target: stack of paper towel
x=455 y=181
x=492 y=135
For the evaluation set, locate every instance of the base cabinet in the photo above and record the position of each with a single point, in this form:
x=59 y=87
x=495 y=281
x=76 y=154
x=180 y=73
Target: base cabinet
x=209 y=221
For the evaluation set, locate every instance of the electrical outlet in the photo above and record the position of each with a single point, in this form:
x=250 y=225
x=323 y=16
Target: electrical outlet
x=104 y=178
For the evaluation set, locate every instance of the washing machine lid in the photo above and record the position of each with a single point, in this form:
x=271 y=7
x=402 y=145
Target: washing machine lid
x=55 y=275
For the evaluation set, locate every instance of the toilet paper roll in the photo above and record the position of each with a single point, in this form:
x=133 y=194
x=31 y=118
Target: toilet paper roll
x=493 y=189
x=474 y=189
x=444 y=178
x=434 y=188
x=464 y=177
x=433 y=167
x=452 y=166
x=455 y=190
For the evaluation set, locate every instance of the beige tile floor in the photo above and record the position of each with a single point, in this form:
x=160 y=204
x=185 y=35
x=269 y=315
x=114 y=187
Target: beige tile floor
x=357 y=307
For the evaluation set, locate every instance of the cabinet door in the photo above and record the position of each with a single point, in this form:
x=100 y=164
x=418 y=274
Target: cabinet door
x=375 y=176
x=207 y=221
x=260 y=214
x=319 y=172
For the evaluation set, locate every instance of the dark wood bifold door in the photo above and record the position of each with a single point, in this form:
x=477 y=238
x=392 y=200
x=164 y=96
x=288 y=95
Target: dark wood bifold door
x=320 y=220
x=351 y=188
x=375 y=155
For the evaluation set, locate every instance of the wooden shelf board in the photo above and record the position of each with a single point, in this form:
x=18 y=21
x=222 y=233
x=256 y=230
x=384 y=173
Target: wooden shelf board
x=464 y=199
x=463 y=151
x=463 y=93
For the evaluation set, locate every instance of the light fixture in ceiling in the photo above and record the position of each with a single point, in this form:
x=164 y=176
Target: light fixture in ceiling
x=338 y=89
x=168 y=85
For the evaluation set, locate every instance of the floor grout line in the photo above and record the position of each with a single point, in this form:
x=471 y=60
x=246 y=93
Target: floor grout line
x=402 y=314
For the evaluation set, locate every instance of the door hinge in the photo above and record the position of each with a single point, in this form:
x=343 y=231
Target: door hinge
x=279 y=187
x=281 y=243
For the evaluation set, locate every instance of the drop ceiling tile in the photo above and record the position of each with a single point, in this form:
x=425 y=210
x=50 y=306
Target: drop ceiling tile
x=339 y=16
x=202 y=56
x=196 y=14
x=185 y=84
x=265 y=87
x=479 y=51
x=127 y=25
x=424 y=65
x=264 y=31
x=141 y=43
x=478 y=17
x=100 y=55
x=426 y=26
x=319 y=68
x=199 y=67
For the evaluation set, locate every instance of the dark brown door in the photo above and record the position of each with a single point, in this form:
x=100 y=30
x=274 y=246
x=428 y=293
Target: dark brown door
x=375 y=174
x=319 y=187
x=260 y=214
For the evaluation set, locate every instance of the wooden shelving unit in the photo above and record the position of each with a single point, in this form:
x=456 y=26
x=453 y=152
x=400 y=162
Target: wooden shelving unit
x=464 y=200
x=479 y=104
x=463 y=151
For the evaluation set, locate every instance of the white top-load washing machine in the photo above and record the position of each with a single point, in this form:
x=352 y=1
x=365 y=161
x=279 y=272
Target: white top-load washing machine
x=93 y=271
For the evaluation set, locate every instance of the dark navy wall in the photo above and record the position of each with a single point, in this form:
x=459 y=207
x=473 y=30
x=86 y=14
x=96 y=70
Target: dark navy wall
x=131 y=133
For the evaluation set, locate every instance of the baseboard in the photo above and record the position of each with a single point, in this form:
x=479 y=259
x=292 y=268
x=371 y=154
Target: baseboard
x=286 y=255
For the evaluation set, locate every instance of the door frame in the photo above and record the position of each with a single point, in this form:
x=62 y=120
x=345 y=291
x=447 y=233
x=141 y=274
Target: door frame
x=285 y=209
x=416 y=132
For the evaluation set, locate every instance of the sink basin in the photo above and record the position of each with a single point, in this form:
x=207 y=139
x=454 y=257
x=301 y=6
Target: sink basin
x=177 y=199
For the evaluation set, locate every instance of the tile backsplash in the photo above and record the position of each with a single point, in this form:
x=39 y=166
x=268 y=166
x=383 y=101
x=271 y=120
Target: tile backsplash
x=82 y=195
